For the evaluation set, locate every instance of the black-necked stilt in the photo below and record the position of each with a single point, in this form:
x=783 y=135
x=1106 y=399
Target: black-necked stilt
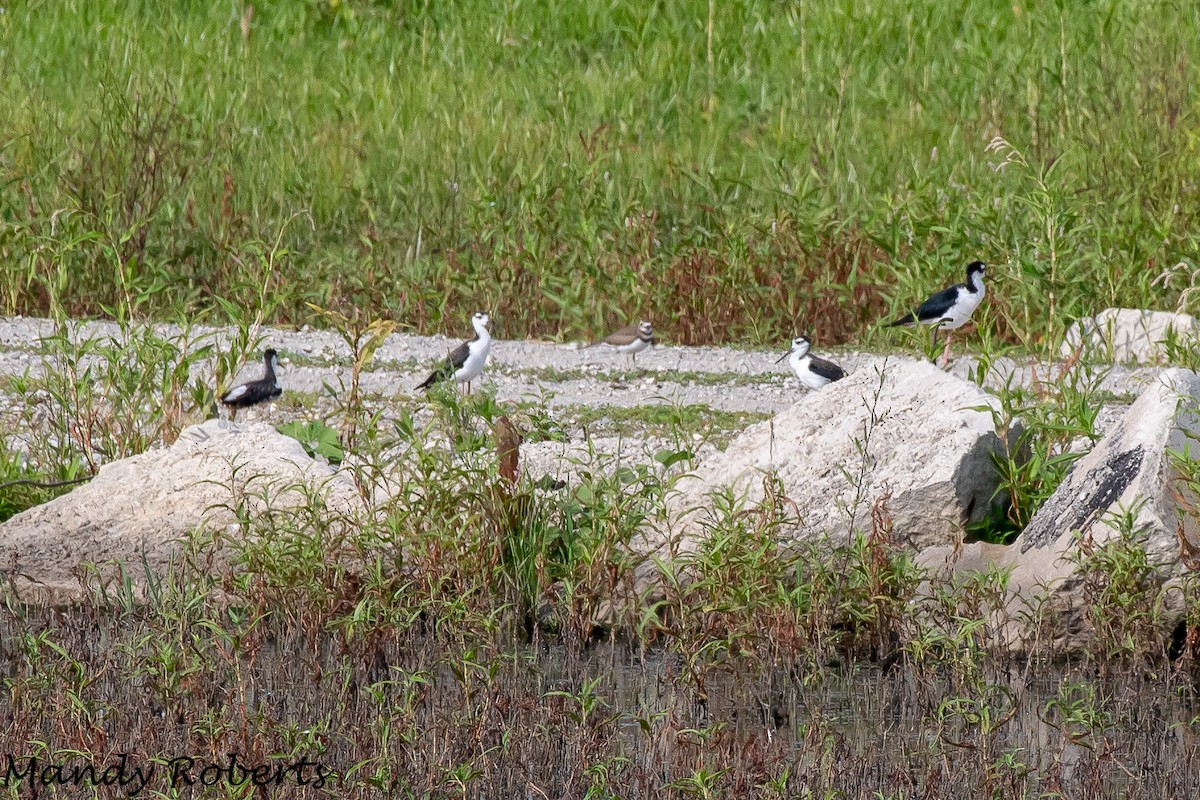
x=632 y=339
x=950 y=308
x=258 y=391
x=812 y=371
x=465 y=362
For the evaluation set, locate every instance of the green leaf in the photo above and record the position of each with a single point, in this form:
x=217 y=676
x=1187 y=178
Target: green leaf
x=317 y=438
x=669 y=458
x=626 y=475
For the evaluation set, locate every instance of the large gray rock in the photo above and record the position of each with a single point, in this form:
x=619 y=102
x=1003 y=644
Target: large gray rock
x=905 y=434
x=134 y=515
x=1130 y=334
x=1128 y=471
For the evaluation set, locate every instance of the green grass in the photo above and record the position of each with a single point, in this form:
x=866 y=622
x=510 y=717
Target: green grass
x=683 y=377
x=571 y=165
x=664 y=421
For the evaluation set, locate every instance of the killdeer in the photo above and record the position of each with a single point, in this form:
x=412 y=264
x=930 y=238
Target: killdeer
x=950 y=308
x=632 y=339
x=258 y=391
x=813 y=372
x=465 y=362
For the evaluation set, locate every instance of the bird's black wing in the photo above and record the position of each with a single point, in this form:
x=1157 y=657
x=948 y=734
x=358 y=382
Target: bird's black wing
x=248 y=394
x=446 y=369
x=937 y=305
x=826 y=369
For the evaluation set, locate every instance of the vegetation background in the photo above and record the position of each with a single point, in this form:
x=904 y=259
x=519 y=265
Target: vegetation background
x=729 y=169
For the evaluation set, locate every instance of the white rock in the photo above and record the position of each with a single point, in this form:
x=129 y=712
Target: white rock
x=1128 y=470
x=907 y=432
x=1130 y=334
x=135 y=513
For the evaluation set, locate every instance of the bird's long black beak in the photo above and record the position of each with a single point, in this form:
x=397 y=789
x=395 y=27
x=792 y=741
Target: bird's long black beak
x=782 y=357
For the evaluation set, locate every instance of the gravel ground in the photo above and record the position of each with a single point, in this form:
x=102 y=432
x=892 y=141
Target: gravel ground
x=564 y=375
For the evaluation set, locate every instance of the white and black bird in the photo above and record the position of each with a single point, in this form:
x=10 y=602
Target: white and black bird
x=812 y=371
x=950 y=308
x=465 y=362
x=632 y=339
x=257 y=391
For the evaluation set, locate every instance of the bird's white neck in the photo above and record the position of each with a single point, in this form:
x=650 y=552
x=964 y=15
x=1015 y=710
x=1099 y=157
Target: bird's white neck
x=481 y=331
x=975 y=281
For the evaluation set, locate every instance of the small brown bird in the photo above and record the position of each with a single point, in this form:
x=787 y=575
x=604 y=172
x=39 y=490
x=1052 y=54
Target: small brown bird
x=632 y=339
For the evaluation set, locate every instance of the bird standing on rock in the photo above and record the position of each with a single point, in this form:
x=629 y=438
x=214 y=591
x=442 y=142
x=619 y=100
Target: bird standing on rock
x=950 y=308
x=813 y=372
x=465 y=362
x=257 y=391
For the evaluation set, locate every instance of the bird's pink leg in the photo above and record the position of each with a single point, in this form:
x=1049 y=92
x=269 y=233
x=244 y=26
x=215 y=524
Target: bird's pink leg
x=946 y=353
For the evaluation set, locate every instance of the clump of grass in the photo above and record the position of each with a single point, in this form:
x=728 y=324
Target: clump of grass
x=745 y=596
x=658 y=376
x=1125 y=592
x=100 y=399
x=363 y=337
x=1045 y=427
x=679 y=424
x=22 y=488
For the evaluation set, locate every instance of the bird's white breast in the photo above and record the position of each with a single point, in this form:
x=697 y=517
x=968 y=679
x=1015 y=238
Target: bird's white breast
x=472 y=368
x=958 y=314
x=636 y=346
x=800 y=366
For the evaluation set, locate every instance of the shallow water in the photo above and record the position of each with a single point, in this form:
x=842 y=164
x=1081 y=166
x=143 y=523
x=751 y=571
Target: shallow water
x=418 y=717
x=1020 y=731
